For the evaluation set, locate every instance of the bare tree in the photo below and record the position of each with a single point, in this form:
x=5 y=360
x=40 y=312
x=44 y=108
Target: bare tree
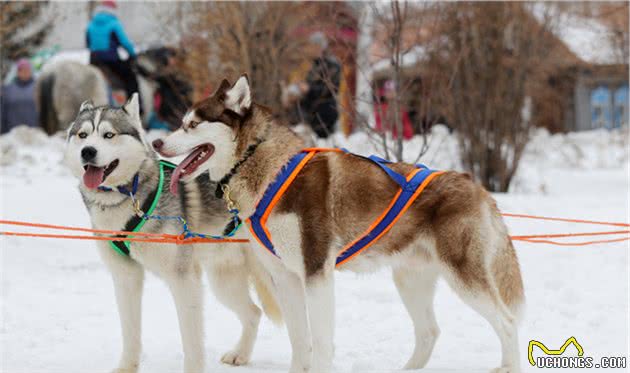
x=231 y=38
x=19 y=34
x=388 y=49
x=492 y=56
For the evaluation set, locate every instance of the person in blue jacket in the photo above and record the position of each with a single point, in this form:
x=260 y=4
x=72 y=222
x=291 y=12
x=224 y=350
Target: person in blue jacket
x=104 y=35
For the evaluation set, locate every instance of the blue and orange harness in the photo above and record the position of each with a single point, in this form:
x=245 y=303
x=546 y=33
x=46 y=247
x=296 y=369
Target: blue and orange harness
x=411 y=186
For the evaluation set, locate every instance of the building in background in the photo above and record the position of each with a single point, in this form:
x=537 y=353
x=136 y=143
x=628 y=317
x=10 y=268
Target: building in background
x=599 y=76
x=587 y=65
x=589 y=83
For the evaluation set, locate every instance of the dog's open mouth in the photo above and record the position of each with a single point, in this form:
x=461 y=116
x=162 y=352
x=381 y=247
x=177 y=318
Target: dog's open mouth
x=95 y=176
x=189 y=165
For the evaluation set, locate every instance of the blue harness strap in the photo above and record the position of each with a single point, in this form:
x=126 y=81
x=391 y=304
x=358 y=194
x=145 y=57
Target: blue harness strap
x=258 y=219
x=410 y=188
x=398 y=178
x=409 y=191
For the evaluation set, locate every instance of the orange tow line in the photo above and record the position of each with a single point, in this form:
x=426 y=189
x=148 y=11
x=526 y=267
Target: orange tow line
x=113 y=235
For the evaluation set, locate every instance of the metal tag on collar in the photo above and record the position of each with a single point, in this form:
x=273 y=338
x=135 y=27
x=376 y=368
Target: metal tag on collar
x=136 y=206
x=231 y=205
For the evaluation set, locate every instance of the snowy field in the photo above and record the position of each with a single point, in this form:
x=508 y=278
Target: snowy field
x=59 y=313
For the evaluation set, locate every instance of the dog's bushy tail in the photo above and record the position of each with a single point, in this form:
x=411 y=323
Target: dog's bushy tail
x=268 y=301
x=262 y=285
x=507 y=275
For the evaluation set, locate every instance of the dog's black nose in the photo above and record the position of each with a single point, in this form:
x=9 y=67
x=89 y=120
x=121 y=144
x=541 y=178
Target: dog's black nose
x=157 y=144
x=88 y=153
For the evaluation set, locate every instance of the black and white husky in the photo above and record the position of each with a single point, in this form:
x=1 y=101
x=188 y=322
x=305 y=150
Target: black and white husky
x=106 y=147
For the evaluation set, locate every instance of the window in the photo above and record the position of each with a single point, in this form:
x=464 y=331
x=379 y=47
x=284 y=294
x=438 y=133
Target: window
x=601 y=115
x=620 y=117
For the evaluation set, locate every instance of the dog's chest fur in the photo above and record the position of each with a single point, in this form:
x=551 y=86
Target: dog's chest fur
x=195 y=202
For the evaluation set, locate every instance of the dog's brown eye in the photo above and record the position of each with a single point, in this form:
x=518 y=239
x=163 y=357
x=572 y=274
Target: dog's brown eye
x=108 y=135
x=82 y=135
x=193 y=124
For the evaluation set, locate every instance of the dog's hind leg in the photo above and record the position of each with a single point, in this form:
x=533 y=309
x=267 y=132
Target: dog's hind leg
x=128 y=277
x=320 y=300
x=185 y=285
x=416 y=287
x=231 y=287
x=482 y=268
x=505 y=325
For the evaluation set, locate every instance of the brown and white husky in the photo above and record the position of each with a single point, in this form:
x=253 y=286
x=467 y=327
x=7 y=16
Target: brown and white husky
x=453 y=229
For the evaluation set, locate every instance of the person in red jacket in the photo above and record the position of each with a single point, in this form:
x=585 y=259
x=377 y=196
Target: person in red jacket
x=384 y=114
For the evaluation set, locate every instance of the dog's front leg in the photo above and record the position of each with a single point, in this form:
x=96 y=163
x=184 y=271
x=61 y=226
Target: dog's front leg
x=128 y=279
x=290 y=291
x=320 y=299
x=186 y=289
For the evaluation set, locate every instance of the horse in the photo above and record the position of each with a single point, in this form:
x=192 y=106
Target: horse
x=63 y=85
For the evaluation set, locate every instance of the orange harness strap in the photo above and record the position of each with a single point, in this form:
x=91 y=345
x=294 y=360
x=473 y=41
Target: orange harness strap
x=410 y=188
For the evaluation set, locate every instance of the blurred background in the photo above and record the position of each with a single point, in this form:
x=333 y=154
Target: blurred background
x=488 y=72
x=531 y=99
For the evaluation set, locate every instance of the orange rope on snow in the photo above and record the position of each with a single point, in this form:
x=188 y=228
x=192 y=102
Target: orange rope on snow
x=536 y=238
x=565 y=220
x=525 y=238
x=113 y=235
x=179 y=240
x=575 y=243
x=148 y=237
x=61 y=227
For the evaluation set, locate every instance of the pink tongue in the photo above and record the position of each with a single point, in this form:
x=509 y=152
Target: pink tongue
x=177 y=174
x=93 y=176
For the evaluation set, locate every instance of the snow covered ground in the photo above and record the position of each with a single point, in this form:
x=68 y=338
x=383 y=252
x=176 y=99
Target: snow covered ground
x=59 y=313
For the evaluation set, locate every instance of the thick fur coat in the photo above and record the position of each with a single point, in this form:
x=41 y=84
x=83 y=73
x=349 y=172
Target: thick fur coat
x=453 y=230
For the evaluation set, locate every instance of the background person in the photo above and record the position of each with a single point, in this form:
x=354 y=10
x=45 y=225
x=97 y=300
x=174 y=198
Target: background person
x=384 y=115
x=173 y=95
x=104 y=35
x=18 y=99
x=318 y=105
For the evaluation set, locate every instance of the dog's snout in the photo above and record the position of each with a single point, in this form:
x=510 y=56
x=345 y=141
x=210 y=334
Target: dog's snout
x=88 y=153
x=157 y=144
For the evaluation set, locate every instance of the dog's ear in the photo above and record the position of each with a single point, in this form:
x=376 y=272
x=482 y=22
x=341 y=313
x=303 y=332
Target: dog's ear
x=223 y=87
x=239 y=97
x=86 y=105
x=132 y=106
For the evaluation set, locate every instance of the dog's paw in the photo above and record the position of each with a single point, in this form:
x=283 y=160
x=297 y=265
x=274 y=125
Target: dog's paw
x=234 y=358
x=506 y=370
x=125 y=370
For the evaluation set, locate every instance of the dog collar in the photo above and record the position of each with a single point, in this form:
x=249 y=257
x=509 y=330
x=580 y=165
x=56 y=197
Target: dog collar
x=123 y=189
x=225 y=180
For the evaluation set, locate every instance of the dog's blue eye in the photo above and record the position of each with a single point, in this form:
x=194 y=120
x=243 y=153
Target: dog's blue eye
x=108 y=135
x=82 y=135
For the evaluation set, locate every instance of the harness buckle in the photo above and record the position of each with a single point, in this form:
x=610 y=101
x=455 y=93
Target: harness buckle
x=231 y=204
x=136 y=206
